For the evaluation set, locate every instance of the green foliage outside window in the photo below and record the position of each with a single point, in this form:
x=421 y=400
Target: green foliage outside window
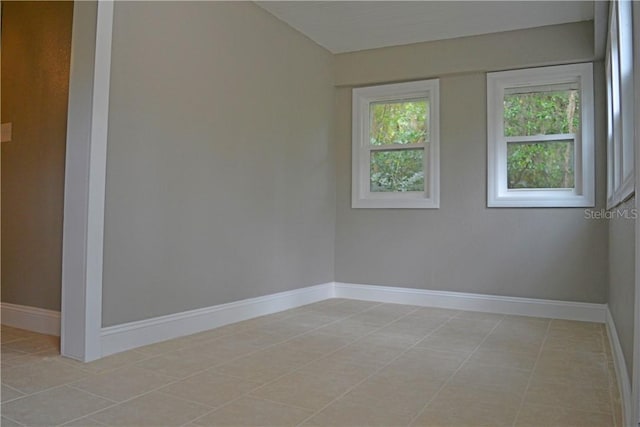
x=398 y=123
x=540 y=165
x=548 y=164
x=535 y=164
x=399 y=170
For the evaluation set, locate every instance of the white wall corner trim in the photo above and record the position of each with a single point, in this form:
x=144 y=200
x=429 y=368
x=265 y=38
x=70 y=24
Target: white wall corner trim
x=136 y=334
x=475 y=302
x=85 y=179
x=31 y=318
x=622 y=375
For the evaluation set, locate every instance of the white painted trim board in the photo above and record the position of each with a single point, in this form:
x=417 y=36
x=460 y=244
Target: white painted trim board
x=569 y=310
x=622 y=374
x=135 y=334
x=31 y=318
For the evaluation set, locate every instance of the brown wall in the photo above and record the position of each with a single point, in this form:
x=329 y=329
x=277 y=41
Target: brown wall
x=36 y=47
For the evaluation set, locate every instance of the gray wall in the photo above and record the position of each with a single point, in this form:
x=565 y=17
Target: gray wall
x=622 y=277
x=220 y=170
x=464 y=246
x=36 y=46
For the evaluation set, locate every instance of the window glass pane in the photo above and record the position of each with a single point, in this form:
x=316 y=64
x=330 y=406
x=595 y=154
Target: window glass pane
x=548 y=164
x=543 y=111
x=397 y=171
x=399 y=122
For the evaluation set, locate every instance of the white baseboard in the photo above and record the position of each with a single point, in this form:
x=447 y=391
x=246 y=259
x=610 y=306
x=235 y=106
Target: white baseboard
x=31 y=318
x=135 y=334
x=475 y=302
x=621 y=371
x=123 y=337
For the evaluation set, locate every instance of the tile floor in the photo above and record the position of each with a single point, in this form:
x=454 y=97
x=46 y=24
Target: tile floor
x=334 y=363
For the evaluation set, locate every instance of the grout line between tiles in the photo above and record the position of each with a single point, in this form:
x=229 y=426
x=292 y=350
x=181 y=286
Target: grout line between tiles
x=424 y=407
x=314 y=360
x=11 y=419
x=414 y=345
x=533 y=370
x=612 y=382
x=204 y=370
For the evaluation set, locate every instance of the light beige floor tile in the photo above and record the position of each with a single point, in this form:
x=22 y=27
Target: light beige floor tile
x=311 y=319
x=27 y=358
x=490 y=393
x=500 y=340
x=83 y=422
x=528 y=327
x=316 y=342
x=391 y=339
x=108 y=363
x=366 y=353
x=53 y=407
x=6 y=422
x=588 y=369
x=265 y=365
x=506 y=379
x=558 y=324
x=476 y=326
x=305 y=390
x=35 y=344
x=255 y=338
x=352 y=306
x=9 y=393
x=383 y=314
x=568 y=396
x=329 y=366
x=549 y=416
x=373 y=364
x=394 y=395
x=209 y=389
x=424 y=364
x=506 y=359
x=180 y=343
x=478 y=315
x=153 y=409
x=575 y=344
x=122 y=384
x=348 y=328
x=285 y=329
x=436 y=312
x=9 y=353
x=588 y=333
x=37 y=376
x=347 y=413
x=464 y=413
x=179 y=363
x=209 y=335
x=458 y=341
x=248 y=412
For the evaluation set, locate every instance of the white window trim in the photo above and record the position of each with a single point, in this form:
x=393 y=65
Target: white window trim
x=498 y=195
x=361 y=196
x=620 y=109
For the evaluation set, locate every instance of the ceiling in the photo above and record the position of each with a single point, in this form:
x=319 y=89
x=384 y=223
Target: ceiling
x=347 y=26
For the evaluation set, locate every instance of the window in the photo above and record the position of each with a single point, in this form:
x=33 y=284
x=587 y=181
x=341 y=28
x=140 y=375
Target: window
x=619 y=72
x=395 y=146
x=540 y=137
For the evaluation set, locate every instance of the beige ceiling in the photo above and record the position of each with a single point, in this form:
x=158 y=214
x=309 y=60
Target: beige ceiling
x=346 y=26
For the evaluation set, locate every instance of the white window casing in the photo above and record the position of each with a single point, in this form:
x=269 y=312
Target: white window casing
x=576 y=77
x=620 y=108
x=362 y=99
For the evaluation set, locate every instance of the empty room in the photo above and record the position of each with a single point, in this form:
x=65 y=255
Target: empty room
x=320 y=213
